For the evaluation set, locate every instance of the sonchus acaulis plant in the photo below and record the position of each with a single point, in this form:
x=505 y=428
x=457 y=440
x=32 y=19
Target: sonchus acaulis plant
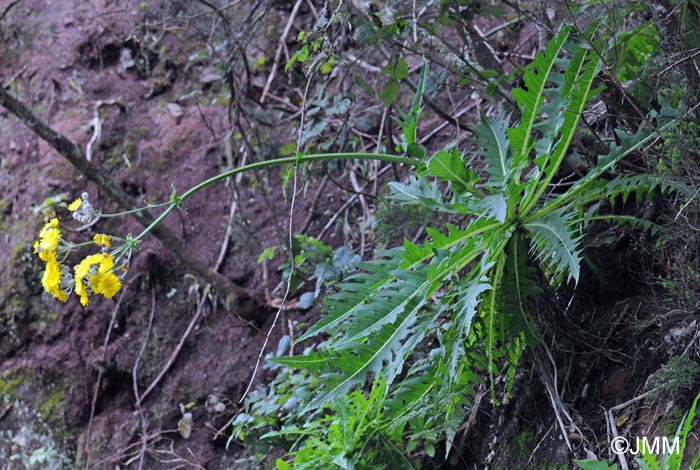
x=433 y=319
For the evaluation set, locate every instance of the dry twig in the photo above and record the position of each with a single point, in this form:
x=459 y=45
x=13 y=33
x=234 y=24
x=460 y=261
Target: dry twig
x=134 y=376
x=176 y=351
x=278 y=53
x=96 y=389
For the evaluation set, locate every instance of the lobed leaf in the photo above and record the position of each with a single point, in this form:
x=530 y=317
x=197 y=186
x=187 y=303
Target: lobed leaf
x=531 y=98
x=492 y=138
x=449 y=166
x=554 y=244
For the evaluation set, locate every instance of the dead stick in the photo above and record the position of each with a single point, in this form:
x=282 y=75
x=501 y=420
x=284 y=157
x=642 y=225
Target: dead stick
x=134 y=374
x=173 y=356
x=69 y=150
x=278 y=54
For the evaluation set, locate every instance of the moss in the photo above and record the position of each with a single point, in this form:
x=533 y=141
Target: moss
x=523 y=443
x=679 y=375
x=114 y=157
x=139 y=132
x=19 y=302
x=671 y=421
x=9 y=381
x=51 y=410
x=52 y=404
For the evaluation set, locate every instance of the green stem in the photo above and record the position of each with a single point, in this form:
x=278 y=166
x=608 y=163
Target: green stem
x=277 y=161
x=303 y=158
x=132 y=211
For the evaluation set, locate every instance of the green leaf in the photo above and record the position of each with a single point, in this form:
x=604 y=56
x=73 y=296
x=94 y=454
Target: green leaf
x=299 y=56
x=382 y=354
x=594 y=465
x=426 y=193
x=416 y=150
x=282 y=465
x=401 y=70
x=449 y=166
x=555 y=245
x=576 y=91
x=351 y=300
x=420 y=89
x=517 y=289
x=288 y=149
x=675 y=459
x=531 y=98
x=365 y=35
x=492 y=138
x=309 y=361
x=389 y=92
x=495 y=205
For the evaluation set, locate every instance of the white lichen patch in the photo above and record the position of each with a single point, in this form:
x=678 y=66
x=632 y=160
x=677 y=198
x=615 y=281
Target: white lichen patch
x=32 y=443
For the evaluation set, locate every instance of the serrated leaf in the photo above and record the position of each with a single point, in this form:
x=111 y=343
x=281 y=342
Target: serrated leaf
x=424 y=193
x=382 y=354
x=575 y=92
x=492 y=138
x=449 y=166
x=496 y=206
x=354 y=294
x=555 y=245
x=309 y=361
x=532 y=97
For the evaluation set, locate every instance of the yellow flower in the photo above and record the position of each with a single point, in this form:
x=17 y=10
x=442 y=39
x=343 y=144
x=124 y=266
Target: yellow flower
x=103 y=240
x=49 y=237
x=52 y=277
x=75 y=205
x=94 y=274
x=107 y=284
x=81 y=272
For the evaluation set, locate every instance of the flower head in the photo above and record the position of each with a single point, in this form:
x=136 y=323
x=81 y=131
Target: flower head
x=75 y=205
x=49 y=236
x=54 y=279
x=95 y=275
x=103 y=240
x=105 y=283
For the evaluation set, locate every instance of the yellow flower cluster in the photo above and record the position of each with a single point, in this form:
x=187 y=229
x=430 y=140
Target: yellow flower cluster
x=47 y=249
x=93 y=275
